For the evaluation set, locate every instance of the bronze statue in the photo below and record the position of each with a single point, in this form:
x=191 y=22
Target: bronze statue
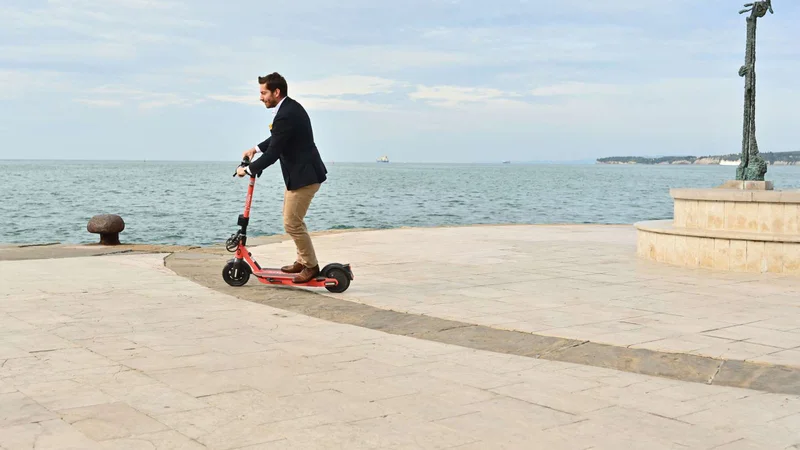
x=753 y=166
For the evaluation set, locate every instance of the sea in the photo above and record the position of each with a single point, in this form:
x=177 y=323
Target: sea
x=198 y=203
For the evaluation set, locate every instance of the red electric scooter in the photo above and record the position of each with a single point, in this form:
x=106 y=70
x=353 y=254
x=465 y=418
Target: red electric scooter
x=334 y=277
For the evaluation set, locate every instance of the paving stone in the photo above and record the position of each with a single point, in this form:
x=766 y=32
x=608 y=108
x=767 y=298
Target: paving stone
x=17 y=408
x=110 y=421
x=155 y=399
x=163 y=440
x=741 y=374
x=52 y=434
x=65 y=394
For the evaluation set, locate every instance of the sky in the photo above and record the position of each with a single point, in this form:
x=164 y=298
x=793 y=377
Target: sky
x=417 y=80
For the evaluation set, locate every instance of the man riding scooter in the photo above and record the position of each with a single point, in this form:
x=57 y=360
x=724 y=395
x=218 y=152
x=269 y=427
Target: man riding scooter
x=291 y=142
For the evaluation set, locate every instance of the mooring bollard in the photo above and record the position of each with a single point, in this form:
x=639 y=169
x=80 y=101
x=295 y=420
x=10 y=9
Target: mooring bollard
x=108 y=226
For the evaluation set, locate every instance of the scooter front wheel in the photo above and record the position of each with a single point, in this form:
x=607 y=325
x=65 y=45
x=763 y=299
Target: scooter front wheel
x=236 y=276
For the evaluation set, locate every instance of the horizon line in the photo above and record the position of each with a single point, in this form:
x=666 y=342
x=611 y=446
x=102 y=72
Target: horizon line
x=577 y=161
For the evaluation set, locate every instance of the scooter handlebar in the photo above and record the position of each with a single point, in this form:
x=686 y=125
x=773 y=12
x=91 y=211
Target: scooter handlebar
x=245 y=162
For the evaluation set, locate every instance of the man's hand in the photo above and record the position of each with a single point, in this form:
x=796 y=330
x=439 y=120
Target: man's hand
x=240 y=172
x=249 y=153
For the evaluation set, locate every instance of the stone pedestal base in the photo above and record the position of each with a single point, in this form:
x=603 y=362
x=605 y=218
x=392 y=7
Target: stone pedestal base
x=748 y=185
x=735 y=229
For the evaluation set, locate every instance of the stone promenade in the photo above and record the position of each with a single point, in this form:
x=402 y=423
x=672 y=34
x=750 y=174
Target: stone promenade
x=474 y=337
x=574 y=282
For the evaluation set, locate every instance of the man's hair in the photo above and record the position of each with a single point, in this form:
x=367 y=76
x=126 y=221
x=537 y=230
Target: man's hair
x=275 y=81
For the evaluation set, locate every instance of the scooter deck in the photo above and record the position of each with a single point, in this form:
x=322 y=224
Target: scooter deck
x=277 y=276
x=274 y=273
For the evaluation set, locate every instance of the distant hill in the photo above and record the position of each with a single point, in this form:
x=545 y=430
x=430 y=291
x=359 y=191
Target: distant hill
x=733 y=159
x=557 y=162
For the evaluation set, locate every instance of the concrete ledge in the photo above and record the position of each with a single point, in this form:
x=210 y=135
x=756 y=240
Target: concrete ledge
x=668 y=227
x=748 y=185
x=57 y=251
x=736 y=195
x=725 y=250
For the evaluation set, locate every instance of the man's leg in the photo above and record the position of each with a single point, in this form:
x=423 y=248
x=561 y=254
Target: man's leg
x=295 y=209
x=297 y=266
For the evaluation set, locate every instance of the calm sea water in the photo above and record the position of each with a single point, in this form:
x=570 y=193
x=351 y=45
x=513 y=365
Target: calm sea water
x=197 y=203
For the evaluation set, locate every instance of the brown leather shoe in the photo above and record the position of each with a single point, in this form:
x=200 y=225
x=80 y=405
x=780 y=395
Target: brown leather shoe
x=307 y=274
x=294 y=268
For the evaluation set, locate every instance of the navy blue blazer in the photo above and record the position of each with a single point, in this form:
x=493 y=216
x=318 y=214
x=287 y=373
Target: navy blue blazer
x=292 y=142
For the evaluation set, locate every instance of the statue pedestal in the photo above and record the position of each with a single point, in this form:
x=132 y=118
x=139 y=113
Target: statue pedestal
x=727 y=228
x=748 y=185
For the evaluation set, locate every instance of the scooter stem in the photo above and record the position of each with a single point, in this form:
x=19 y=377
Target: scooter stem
x=249 y=199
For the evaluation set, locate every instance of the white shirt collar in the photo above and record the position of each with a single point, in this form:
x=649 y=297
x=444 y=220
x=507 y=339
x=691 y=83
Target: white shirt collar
x=277 y=107
x=274 y=111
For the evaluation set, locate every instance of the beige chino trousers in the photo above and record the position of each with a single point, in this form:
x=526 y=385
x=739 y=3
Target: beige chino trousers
x=295 y=207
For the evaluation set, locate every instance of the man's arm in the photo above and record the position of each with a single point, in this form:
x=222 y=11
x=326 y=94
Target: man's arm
x=250 y=153
x=260 y=148
x=273 y=147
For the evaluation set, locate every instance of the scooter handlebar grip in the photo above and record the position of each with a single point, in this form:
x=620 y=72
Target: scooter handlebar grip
x=245 y=162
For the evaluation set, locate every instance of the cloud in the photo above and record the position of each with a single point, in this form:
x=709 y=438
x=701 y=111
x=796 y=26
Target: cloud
x=341 y=104
x=317 y=59
x=336 y=93
x=242 y=99
x=67 y=52
x=337 y=86
x=577 y=88
x=94 y=30
x=115 y=4
x=20 y=84
x=395 y=57
x=453 y=96
x=99 y=102
x=108 y=96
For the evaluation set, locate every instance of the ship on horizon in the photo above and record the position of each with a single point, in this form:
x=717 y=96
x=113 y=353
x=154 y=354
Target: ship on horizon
x=383 y=159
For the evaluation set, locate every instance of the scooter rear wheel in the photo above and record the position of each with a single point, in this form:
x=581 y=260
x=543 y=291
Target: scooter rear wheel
x=236 y=276
x=342 y=280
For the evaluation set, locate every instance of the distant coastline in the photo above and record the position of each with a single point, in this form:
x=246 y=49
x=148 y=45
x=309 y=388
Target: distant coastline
x=773 y=159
